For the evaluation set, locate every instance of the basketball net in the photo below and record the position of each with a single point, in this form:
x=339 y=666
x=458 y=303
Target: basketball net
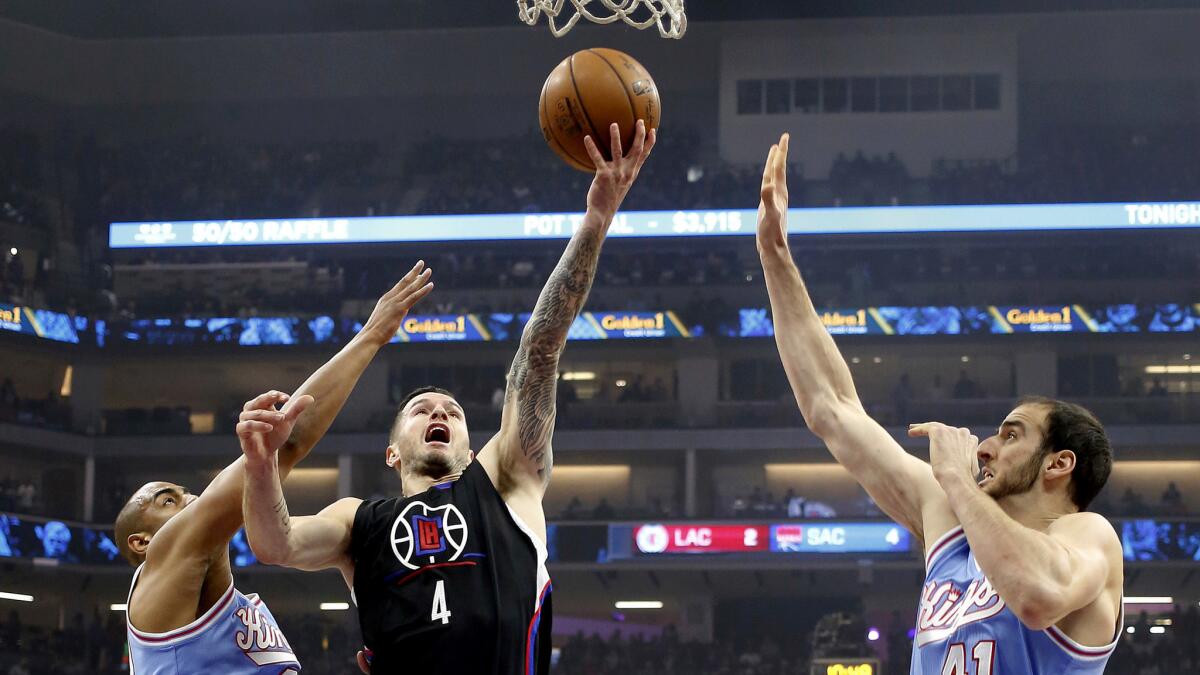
x=562 y=15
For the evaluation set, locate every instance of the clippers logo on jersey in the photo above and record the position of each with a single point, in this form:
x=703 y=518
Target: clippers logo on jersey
x=945 y=608
x=262 y=641
x=423 y=534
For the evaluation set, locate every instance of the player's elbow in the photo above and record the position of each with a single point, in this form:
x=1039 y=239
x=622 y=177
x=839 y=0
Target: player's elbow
x=269 y=554
x=824 y=415
x=1038 y=607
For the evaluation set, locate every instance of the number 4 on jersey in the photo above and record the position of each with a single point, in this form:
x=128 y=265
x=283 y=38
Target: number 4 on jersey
x=440 y=611
x=983 y=655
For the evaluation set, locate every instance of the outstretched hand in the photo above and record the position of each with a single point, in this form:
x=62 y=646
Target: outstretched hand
x=391 y=309
x=614 y=178
x=773 y=204
x=262 y=430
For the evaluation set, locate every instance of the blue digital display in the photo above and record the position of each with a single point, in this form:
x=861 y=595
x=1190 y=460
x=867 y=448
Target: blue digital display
x=735 y=222
x=837 y=537
x=22 y=537
x=1160 y=540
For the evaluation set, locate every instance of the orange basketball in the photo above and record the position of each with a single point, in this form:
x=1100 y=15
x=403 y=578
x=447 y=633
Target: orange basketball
x=589 y=91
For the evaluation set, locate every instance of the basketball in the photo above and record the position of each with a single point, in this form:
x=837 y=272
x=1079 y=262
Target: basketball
x=586 y=93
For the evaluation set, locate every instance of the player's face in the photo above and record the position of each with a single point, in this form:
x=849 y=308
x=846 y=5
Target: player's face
x=433 y=438
x=1012 y=459
x=161 y=501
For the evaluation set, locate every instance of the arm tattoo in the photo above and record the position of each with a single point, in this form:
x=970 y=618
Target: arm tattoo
x=285 y=519
x=533 y=378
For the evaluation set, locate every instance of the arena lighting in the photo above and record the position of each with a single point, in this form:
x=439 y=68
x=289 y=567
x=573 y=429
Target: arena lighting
x=1148 y=600
x=335 y=606
x=1172 y=370
x=118 y=607
x=19 y=597
x=873 y=634
x=621 y=383
x=1157 y=630
x=13 y=251
x=578 y=376
x=1131 y=630
x=639 y=604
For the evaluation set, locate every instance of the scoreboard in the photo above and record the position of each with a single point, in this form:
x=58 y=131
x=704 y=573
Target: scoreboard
x=691 y=223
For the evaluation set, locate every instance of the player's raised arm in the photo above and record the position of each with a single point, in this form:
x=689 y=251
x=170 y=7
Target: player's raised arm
x=331 y=385
x=217 y=514
x=521 y=452
x=900 y=483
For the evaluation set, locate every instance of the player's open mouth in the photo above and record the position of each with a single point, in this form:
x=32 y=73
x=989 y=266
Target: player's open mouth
x=437 y=433
x=986 y=475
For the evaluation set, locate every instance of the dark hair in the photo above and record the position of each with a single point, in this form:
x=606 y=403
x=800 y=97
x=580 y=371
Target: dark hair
x=129 y=520
x=1073 y=427
x=423 y=390
x=410 y=396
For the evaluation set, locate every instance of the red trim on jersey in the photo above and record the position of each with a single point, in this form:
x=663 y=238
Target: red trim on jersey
x=433 y=566
x=1075 y=648
x=533 y=623
x=946 y=539
x=212 y=614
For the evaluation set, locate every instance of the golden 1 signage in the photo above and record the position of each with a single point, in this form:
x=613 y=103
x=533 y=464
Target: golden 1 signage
x=845 y=667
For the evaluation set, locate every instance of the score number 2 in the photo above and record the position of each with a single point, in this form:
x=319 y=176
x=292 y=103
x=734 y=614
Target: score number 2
x=983 y=654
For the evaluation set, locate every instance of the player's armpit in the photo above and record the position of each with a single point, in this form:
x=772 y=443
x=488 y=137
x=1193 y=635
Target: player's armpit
x=322 y=541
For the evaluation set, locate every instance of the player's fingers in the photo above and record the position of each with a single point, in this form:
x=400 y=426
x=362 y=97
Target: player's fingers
x=405 y=280
x=415 y=291
x=919 y=430
x=781 y=160
x=417 y=295
x=974 y=440
x=269 y=416
x=594 y=152
x=411 y=285
x=252 y=427
x=639 y=141
x=265 y=400
x=651 y=139
x=614 y=139
x=298 y=406
x=768 y=174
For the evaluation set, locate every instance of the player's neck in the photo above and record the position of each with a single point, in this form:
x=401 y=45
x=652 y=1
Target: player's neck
x=1036 y=509
x=415 y=483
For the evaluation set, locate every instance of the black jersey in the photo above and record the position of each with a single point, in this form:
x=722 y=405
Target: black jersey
x=451 y=581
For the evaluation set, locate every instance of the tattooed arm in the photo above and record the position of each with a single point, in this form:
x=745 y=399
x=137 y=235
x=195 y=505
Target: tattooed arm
x=520 y=454
x=308 y=542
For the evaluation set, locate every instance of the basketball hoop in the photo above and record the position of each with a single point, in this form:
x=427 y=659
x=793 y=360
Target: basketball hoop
x=667 y=15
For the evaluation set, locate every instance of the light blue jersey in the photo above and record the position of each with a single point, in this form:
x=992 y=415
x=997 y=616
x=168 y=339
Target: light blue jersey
x=236 y=636
x=964 y=627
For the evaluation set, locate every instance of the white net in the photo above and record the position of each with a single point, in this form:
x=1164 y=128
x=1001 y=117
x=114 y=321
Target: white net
x=562 y=15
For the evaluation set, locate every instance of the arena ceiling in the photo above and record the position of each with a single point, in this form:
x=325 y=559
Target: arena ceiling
x=126 y=19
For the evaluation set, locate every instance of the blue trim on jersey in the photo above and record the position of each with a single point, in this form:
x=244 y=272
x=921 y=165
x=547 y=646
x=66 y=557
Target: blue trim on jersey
x=474 y=555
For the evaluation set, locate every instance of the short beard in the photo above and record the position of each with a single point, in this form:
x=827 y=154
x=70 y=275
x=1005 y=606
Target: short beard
x=1022 y=481
x=434 y=465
